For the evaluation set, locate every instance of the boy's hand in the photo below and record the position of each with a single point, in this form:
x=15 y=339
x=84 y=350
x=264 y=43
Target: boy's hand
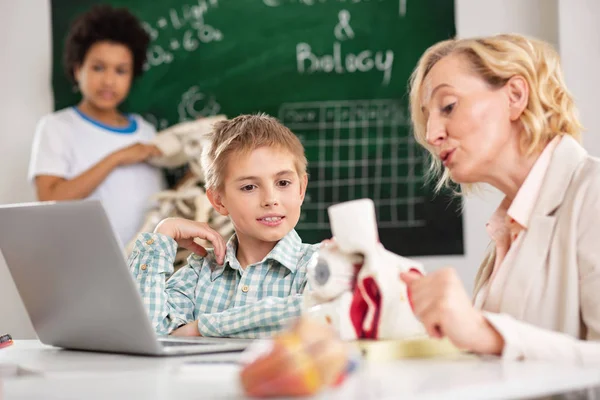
x=189 y=329
x=184 y=231
x=136 y=153
x=328 y=242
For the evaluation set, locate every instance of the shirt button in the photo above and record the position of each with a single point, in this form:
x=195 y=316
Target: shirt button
x=149 y=241
x=143 y=267
x=245 y=288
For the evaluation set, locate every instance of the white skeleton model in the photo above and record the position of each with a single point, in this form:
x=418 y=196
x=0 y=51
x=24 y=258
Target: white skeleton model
x=182 y=144
x=355 y=285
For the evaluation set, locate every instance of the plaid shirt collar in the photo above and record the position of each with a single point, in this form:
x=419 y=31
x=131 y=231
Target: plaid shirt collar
x=285 y=253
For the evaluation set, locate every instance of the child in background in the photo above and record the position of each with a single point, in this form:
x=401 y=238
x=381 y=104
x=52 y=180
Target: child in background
x=255 y=171
x=93 y=150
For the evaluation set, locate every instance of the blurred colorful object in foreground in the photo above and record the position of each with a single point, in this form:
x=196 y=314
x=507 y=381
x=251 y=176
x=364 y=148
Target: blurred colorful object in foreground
x=5 y=341
x=300 y=362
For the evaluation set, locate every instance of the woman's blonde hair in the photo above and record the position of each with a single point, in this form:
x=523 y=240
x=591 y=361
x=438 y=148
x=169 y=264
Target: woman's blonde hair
x=550 y=109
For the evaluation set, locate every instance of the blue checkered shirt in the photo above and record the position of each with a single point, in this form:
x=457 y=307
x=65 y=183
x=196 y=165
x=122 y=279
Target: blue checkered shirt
x=227 y=301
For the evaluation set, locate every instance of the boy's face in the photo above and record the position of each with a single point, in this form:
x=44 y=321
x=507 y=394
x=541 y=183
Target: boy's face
x=105 y=76
x=262 y=193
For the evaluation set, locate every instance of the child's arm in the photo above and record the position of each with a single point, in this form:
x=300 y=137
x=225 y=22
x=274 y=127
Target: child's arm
x=52 y=187
x=172 y=303
x=262 y=318
x=151 y=263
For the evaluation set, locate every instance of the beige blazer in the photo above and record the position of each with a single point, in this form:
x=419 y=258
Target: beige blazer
x=550 y=306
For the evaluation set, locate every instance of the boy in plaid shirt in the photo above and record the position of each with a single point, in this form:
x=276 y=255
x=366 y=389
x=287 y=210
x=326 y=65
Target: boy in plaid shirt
x=255 y=172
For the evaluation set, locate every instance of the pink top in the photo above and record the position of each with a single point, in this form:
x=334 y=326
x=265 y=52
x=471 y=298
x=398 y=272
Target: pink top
x=507 y=224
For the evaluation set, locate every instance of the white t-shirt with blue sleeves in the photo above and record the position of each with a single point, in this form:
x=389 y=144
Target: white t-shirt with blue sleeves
x=68 y=143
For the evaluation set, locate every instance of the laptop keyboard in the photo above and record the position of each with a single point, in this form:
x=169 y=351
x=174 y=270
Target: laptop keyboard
x=171 y=343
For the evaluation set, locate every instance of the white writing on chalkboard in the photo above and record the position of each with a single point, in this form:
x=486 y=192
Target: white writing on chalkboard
x=158 y=123
x=195 y=104
x=189 y=24
x=365 y=61
x=277 y=3
x=343 y=30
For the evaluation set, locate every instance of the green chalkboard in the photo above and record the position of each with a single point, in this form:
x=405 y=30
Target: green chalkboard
x=334 y=71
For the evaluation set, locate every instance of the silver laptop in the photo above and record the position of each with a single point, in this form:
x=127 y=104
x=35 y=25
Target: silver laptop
x=71 y=273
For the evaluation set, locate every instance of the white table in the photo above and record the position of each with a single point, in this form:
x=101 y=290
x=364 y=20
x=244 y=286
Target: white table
x=30 y=370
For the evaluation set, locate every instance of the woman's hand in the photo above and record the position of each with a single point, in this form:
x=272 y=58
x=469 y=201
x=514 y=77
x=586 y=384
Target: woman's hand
x=184 y=231
x=442 y=305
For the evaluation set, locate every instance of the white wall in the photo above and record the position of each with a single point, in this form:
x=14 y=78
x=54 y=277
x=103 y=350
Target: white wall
x=580 y=53
x=537 y=18
x=25 y=96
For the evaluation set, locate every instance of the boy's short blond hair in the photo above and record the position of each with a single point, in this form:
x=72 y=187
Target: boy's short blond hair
x=240 y=136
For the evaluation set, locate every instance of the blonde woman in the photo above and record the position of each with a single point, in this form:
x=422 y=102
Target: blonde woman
x=496 y=110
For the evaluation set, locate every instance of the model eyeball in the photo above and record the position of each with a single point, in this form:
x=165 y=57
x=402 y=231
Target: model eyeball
x=322 y=272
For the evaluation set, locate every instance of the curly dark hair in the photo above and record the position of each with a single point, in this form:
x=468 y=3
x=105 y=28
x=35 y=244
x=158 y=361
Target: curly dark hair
x=105 y=23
